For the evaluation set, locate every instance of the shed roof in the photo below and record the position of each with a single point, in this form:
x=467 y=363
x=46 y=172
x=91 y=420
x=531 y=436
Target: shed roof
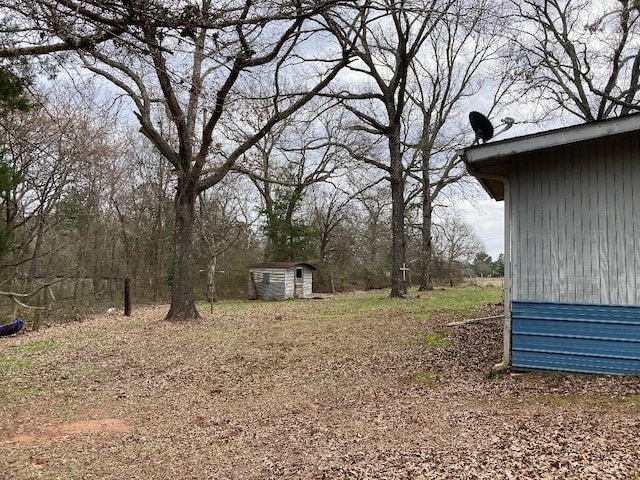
x=282 y=265
x=495 y=158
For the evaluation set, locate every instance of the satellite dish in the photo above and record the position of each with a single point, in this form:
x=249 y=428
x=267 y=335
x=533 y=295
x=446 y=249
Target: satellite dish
x=481 y=126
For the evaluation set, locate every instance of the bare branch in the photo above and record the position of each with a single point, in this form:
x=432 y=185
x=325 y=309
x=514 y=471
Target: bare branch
x=15 y=297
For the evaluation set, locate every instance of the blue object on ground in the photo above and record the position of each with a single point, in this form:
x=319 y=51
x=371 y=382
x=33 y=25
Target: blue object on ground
x=10 y=328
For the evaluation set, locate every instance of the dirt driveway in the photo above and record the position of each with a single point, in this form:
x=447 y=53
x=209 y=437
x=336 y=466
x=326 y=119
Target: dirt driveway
x=330 y=388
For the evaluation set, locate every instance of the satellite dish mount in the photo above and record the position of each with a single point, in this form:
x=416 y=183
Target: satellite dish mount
x=483 y=129
x=481 y=126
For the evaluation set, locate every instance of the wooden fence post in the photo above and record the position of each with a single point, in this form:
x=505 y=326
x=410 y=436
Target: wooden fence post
x=127 y=297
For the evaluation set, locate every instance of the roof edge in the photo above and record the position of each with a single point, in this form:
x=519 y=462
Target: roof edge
x=282 y=265
x=551 y=138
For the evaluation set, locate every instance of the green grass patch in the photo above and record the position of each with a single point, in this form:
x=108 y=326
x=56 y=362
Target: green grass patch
x=460 y=302
x=355 y=305
x=43 y=346
x=11 y=365
x=428 y=379
x=225 y=306
x=15 y=393
x=635 y=399
x=436 y=338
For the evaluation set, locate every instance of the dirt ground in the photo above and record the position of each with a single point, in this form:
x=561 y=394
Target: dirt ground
x=306 y=390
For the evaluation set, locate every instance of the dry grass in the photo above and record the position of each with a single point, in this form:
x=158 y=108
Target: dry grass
x=350 y=387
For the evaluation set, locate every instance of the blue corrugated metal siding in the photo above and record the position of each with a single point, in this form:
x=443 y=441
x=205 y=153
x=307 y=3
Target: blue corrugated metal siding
x=576 y=337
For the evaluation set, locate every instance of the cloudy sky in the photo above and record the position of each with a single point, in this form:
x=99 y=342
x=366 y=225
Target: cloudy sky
x=487 y=218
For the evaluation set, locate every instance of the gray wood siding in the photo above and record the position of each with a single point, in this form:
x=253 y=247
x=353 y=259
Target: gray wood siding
x=576 y=224
x=281 y=283
x=273 y=290
x=289 y=283
x=307 y=285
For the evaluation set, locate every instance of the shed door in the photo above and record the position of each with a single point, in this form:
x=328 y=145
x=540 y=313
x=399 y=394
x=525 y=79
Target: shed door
x=299 y=284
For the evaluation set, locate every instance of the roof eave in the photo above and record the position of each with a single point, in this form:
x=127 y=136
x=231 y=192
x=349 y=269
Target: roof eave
x=505 y=149
x=280 y=265
x=491 y=161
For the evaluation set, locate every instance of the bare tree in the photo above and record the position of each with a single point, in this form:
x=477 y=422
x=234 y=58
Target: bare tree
x=50 y=148
x=391 y=36
x=140 y=192
x=461 y=57
x=222 y=223
x=329 y=210
x=580 y=56
x=374 y=230
x=183 y=65
x=285 y=166
x=456 y=243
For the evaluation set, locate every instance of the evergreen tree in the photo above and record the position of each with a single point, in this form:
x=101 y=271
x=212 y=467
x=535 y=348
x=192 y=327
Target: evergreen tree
x=12 y=93
x=12 y=97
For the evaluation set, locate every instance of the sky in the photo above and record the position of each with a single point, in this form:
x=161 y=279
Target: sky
x=486 y=216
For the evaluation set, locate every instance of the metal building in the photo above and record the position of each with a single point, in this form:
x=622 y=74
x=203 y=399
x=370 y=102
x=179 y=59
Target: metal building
x=572 y=244
x=280 y=280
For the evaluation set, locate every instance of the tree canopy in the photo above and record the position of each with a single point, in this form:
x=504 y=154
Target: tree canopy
x=341 y=117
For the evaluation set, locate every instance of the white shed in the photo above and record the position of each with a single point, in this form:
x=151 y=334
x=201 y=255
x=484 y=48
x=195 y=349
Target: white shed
x=280 y=280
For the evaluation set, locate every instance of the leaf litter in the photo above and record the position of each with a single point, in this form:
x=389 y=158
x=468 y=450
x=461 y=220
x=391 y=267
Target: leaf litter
x=296 y=390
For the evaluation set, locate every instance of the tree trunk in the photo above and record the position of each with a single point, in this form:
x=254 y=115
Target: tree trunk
x=211 y=293
x=33 y=267
x=183 y=304
x=127 y=297
x=44 y=306
x=157 y=264
x=426 y=253
x=398 y=240
x=398 y=286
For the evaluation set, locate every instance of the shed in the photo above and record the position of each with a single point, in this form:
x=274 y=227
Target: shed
x=280 y=280
x=572 y=244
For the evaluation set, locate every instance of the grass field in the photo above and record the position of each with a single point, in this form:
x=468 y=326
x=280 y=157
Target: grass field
x=354 y=386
